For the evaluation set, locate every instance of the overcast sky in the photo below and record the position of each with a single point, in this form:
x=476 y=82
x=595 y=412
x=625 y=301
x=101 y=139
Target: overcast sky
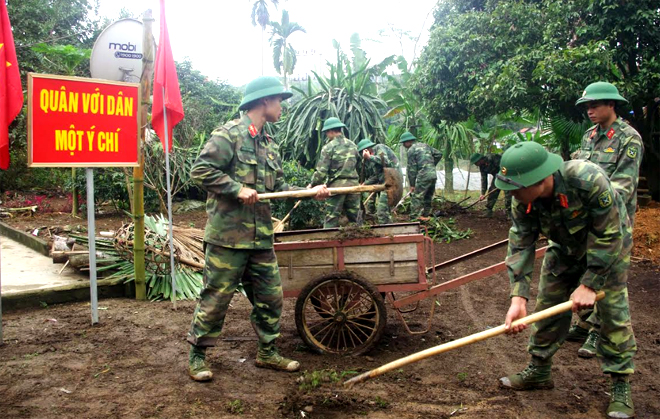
x=219 y=39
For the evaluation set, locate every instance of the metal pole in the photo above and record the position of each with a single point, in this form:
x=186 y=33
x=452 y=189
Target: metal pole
x=169 y=198
x=91 y=235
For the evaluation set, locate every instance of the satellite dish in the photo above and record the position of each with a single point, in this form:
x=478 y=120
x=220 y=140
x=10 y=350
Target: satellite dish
x=117 y=53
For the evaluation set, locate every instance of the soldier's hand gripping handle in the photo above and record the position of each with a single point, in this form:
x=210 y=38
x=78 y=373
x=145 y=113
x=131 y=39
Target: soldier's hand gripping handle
x=248 y=196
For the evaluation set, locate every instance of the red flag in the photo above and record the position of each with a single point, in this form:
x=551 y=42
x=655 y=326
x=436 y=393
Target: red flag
x=11 y=91
x=165 y=78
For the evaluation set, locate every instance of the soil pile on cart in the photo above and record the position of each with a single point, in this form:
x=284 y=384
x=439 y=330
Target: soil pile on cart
x=646 y=234
x=351 y=232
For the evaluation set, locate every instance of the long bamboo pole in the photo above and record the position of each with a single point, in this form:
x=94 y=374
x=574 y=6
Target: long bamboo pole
x=477 y=337
x=138 y=172
x=308 y=193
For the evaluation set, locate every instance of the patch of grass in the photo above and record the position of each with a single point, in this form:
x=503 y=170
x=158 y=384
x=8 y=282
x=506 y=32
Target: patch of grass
x=462 y=376
x=382 y=403
x=235 y=407
x=311 y=380
x=32 y=355
x=43 y=304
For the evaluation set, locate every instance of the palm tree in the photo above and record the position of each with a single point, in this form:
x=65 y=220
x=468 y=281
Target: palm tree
x=261 y=16
x=284 y=56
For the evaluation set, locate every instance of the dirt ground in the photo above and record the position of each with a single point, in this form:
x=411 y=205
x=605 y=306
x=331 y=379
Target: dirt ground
x=133 y=363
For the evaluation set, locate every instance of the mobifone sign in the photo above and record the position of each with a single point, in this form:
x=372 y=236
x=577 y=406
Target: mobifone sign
x=117 y=53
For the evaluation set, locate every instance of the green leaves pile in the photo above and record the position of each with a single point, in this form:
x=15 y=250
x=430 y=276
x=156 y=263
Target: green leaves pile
x=441 y=230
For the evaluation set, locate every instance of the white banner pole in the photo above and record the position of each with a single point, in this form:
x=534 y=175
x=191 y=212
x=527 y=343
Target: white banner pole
x=91 y=235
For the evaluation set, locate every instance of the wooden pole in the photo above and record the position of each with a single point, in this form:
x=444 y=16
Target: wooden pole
x=138 y=172
x=481 y=200
x=308 y=193
x=477 y=337
x=74 y=193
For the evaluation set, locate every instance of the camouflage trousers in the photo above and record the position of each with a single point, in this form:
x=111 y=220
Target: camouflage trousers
x=492 y=199
x=225 y=269
x=560 y=276
x=589 y=319
x=383 y=212
x=370 y=206
x=337 y=205
x=421 y=199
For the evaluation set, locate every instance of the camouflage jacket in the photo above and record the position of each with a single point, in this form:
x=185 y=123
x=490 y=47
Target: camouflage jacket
x=585 y=220
x=383 y=157
x=422 y=159
x=338 y=161
x=618 y=151
x=491 y=167
x=237 y=155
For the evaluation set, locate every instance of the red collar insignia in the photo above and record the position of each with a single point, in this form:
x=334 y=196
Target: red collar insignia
x=610 y=133
x=529 y=208
x=563 y=200
x=253 y=130
x=593 y=133
x=270 y=140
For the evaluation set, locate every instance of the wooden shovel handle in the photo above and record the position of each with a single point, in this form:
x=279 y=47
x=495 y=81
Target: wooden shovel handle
x=286 y=218
x=307 y=193
x=486 y=334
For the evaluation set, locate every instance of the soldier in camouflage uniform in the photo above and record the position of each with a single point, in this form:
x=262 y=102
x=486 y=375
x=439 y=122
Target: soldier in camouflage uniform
x=617 y=148
x=238 y=162
x=576 y=207
x=337 y=167
x=422 y=159
x=490 y=165
x=376 y=157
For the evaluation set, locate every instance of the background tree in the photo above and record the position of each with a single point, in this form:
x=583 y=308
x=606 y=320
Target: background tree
x=488 y=57
x=284 y=55
x=407 y=113
x=261 y=16
x=52 y=23
x=64 y=60
x=208 y=104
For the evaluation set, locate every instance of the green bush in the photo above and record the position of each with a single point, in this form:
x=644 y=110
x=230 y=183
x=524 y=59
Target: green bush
x=310 y=213
x=110 y=186
x=19 y=177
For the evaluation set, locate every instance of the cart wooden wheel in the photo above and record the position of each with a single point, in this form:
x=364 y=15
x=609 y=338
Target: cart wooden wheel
x=340 y=313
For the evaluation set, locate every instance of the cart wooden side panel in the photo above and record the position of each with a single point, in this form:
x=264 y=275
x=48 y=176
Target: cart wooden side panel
x=386 y=261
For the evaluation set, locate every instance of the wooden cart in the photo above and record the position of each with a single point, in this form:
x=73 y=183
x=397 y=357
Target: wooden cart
x=341 y=282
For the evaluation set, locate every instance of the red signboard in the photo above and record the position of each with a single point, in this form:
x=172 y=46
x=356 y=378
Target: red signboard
x=74 y=121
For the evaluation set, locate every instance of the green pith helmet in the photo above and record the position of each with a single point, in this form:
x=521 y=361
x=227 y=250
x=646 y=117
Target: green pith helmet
x=600 y=90
x=331 y=123
x=474 y=159
x=263 y=87
x=407 y=136
x=366 y=143
x=525 y=164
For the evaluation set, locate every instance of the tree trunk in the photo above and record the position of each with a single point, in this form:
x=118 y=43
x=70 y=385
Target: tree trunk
x=467 y=182
x=74 y=194
x=449 y=168
x=649 y=129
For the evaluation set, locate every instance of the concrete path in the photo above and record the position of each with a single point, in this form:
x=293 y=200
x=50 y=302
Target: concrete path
x=23 y=269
